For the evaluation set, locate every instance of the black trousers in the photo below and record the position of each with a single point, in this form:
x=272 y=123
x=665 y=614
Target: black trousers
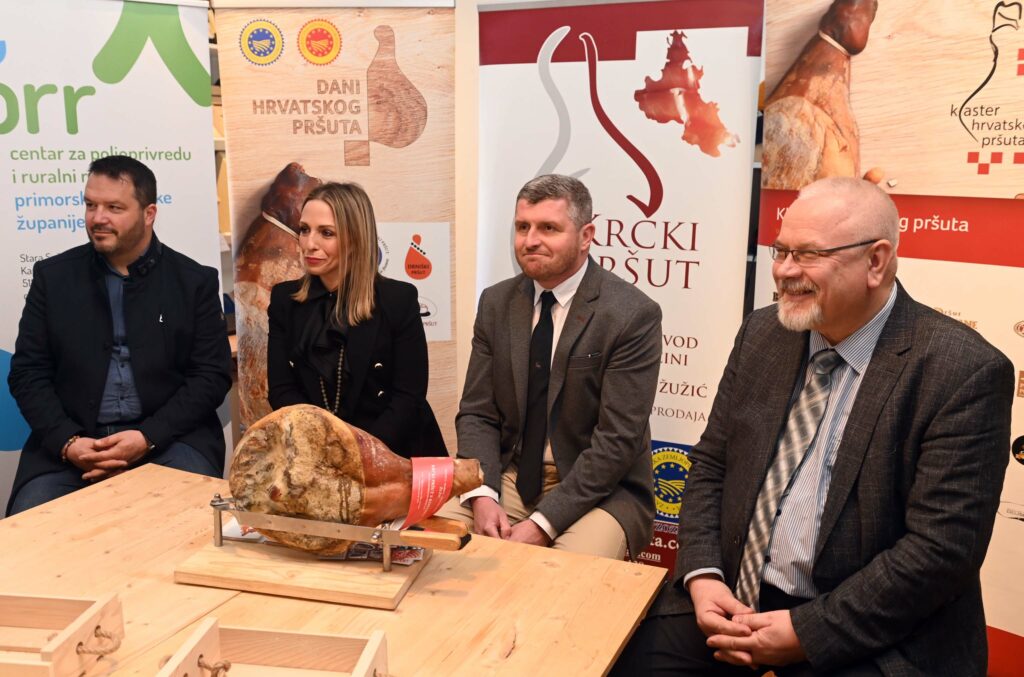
x=675 y=645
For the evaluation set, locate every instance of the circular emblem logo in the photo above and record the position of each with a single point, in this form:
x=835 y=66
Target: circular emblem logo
x=671 y=466
x=1018 y=449
x=319 y=42
x=1019 y=328
x=261 y=42
x=383 y=255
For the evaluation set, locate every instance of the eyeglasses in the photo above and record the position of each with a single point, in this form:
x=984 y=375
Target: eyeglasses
x=803 y=256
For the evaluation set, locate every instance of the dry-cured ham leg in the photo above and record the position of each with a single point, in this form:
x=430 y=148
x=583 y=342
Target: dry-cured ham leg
x=302 y=461
x=809 y=128
x=268 y=254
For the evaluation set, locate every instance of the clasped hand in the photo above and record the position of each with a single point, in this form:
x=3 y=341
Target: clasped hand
x=738 y=634
x=107 y=456
x=490 y=519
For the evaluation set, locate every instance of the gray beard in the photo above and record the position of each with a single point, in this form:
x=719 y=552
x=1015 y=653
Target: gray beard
x=799 y=321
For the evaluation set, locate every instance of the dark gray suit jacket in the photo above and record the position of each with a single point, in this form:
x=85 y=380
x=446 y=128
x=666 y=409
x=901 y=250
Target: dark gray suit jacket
x=603 y=380
x=913 y=495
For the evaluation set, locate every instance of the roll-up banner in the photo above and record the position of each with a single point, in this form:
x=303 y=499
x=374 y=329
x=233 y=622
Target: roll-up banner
x=931 y=107
x=313 y=92
x=653 y=106
x=79 y=80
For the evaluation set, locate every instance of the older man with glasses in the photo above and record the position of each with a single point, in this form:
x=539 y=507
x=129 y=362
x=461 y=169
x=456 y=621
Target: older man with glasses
x=841 y=499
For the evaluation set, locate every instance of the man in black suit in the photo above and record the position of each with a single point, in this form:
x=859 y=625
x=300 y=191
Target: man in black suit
x=122 y=355
x=841 y=499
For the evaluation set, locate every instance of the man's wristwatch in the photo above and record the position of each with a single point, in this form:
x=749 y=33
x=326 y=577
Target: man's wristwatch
x=150 y=446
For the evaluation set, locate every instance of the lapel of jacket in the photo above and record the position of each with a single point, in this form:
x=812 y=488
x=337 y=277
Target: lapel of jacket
x=298 y=317
x=358 y=349
x=580 y=311
x=520 y=329
x=784 y=354
x=885 y=367
x=98 y=272
x=94 y=374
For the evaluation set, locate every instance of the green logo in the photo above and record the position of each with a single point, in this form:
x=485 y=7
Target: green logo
x=139 y=23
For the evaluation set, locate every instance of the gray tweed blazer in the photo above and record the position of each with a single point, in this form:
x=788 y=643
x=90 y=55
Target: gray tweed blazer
x=603 y=379
x=911 y=503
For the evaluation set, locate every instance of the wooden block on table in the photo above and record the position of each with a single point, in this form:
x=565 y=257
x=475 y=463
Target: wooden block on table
x=14 y=638
x=45 y=636
x=29 y=623
x=254 y=652
x=18 y=664
x=275 y=570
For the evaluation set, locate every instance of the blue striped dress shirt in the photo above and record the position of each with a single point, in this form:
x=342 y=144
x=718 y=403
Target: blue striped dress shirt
x=795 y=531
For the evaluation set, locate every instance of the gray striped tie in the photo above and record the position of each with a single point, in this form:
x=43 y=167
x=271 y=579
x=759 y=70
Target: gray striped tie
x=801 y=427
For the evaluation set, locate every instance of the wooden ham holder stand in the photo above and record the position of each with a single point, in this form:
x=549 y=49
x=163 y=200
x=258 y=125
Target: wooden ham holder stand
x=241 y=564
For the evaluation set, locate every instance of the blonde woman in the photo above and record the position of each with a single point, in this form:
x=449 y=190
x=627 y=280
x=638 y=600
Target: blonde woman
x=347 y=339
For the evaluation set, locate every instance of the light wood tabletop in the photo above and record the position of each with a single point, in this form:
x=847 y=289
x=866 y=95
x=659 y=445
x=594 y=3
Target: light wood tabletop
x=494 y=607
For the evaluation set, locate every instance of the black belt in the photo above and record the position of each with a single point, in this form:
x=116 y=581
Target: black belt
x=773 y=599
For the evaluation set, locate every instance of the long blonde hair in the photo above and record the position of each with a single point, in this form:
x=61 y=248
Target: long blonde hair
x=357 y=238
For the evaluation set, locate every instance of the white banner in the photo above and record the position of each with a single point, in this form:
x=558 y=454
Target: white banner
x=653 y=106
x=417 y=253
x=81 y=79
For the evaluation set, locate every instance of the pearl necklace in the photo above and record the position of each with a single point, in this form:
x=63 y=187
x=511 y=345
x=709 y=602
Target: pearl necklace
x=337 y=390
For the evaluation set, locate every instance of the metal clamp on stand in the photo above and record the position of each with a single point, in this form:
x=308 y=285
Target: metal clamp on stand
x=385 y=537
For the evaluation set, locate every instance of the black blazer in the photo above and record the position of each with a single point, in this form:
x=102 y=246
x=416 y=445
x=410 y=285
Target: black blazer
x=175 y=329
x=386 y=357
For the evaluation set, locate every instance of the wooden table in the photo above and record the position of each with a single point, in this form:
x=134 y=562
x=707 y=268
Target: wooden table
x=494 y=607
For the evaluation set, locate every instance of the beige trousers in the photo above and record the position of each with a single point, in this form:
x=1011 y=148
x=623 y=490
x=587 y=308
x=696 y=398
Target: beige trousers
x=596 y=533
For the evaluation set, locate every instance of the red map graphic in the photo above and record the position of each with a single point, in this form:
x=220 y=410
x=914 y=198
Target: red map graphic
x=676 y=97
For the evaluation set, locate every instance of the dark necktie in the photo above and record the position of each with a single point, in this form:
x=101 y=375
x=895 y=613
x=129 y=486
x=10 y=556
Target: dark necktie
x=801 y=427
x=535 y=431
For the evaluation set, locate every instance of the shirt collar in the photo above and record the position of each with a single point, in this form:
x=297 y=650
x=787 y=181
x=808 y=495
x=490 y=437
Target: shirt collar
x=317 y=289
x=856 y=349
x=152 y=248
x=564 y=291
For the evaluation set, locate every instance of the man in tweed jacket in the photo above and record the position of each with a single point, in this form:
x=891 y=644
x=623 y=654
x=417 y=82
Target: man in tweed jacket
x=595 y=491
x=874 y=552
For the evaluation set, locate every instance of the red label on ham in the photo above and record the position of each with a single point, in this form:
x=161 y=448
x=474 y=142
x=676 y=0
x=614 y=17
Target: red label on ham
x=431 y=487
